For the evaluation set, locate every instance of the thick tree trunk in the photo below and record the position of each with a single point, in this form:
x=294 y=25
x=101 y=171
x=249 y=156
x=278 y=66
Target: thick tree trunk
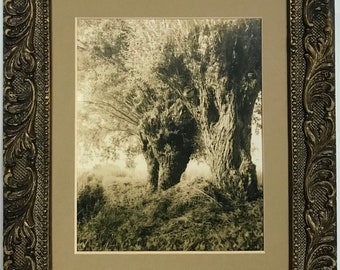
x=167 y=158
x=152 y=164
x=153 y=170
x=173 y=154
x=170 y=135
x=228 y=144
x=171 y=167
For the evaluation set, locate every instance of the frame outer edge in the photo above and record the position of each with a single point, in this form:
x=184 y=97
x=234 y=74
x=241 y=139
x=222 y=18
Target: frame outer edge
x=319 y=130
x=27 y=143
x=311 y=32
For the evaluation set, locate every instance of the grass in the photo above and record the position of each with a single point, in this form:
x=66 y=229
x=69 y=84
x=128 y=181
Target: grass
x=191 y=216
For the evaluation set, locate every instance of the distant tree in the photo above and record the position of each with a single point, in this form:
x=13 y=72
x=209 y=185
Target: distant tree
x=216 y=70
x=100 y=132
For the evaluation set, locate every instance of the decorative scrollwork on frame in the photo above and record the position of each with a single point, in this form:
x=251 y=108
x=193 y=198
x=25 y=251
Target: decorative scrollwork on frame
x=20 y=176
x=319 y=129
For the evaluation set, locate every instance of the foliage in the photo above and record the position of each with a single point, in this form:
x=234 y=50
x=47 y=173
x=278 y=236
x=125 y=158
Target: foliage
x=131 y=70
x=191 y=216
x=91 y=200
x=210 y=60
x=101 y=130
x=124 y=98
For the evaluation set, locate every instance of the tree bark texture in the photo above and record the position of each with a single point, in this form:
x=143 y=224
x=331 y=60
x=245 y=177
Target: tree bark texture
x=151 y=163
x=228 y=144
x=173 y=160
x=167 y=150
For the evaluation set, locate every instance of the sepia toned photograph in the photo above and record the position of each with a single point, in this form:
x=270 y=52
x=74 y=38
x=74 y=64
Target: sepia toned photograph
x=169 y=134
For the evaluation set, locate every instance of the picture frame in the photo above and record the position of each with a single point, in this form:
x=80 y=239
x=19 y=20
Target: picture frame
x=28 y=136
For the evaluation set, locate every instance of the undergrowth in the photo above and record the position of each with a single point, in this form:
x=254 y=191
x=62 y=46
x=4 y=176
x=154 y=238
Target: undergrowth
x=90 y=200
x=191 y=216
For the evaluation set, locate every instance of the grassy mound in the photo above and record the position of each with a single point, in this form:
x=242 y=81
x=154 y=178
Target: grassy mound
x=191 y=216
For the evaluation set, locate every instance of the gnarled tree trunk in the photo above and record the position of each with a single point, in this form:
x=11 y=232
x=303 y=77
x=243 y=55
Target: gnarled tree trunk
x=167 y=153
x=171 y=169
x=172 y=164
x=151 y=163
x=228 y=146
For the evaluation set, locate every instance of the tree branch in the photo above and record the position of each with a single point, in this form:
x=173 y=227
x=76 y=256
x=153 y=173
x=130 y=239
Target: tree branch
x=115 y=112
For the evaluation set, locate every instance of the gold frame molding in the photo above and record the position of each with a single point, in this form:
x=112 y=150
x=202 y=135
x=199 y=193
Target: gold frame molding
x=27 y=134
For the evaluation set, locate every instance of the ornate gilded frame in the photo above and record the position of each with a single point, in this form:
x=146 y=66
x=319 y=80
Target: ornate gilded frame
x=27 y=134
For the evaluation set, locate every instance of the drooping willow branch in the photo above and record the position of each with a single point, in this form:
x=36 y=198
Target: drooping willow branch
x=115 y=112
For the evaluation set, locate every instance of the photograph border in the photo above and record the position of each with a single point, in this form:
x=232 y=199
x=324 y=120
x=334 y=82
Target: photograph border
x=27 y=134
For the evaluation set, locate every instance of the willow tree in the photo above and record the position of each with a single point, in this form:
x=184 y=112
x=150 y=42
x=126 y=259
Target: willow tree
x=215 y=68
x=125 y=94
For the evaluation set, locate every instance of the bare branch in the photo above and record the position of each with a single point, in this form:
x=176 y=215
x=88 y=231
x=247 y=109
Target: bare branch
x=114 y=112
